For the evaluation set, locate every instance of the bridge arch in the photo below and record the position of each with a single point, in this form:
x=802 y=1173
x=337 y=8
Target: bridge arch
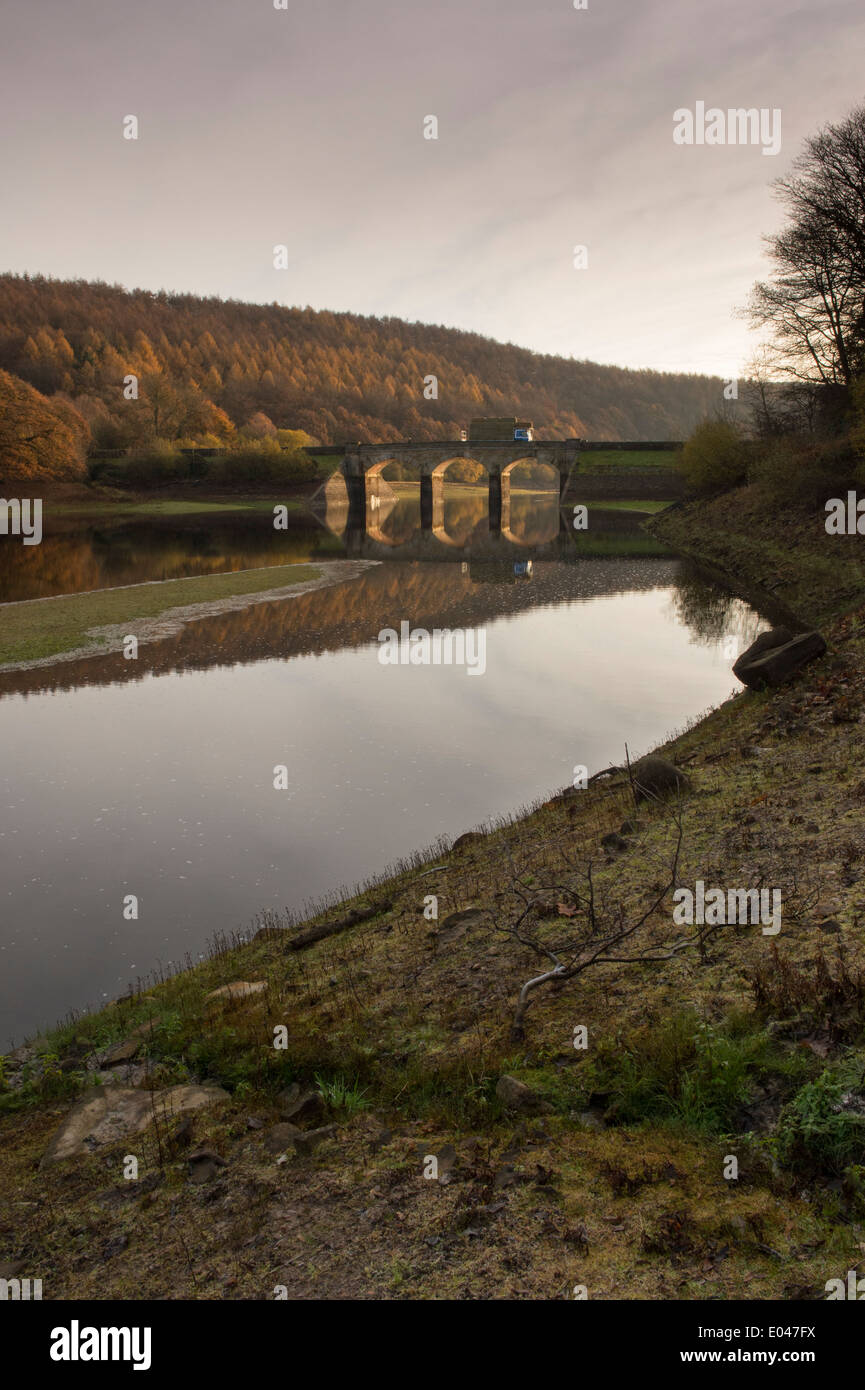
x=516 y=508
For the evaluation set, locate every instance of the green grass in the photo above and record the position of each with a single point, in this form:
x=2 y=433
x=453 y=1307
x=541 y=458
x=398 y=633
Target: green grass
x=45 y=627
x=593 y=460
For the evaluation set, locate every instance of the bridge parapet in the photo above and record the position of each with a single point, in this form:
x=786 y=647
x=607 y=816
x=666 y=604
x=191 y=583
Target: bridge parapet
x=430 y=457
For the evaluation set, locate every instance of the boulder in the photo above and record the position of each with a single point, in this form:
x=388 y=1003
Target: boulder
x=109 y=1114
x=471 y=837
x=770 y=661
x=654 y=777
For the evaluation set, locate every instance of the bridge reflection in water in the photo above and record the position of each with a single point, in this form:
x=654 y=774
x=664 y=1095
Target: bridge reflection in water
x=435 y=521
x=460 y=524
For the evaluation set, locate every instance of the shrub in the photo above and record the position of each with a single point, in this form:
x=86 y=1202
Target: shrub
x=714 y=458
x=822 y=1129
x=154 y=465
x=684 y=1071
x=804 y=472
x=262 y=465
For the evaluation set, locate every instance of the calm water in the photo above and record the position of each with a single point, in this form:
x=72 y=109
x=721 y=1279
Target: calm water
x=155 y=777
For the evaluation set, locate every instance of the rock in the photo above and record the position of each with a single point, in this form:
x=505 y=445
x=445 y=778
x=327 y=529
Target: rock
x=109 y=1114
x=237 y=990
x=592 y=1119
x=471 y=837
x=278 y=1138
x=765 y=642
x=516 y=1095
x=204 y=1165
x=305 y=1143
x=654 y=777
x=297 y=1106
x=457 y=924
x=614 y=844
x=770 y=661
x=121 y=1052
x=447 y=1158
x=181 y=1137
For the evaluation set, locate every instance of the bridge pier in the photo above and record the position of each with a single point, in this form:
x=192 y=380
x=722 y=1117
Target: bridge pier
x=497 y=487
x=356 y=488
x=426 y=502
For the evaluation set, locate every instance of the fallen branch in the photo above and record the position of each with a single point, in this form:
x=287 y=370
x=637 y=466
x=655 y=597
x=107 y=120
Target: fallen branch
x=319 y=933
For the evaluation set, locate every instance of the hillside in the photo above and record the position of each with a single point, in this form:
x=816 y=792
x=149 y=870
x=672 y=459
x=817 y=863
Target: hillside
x=208 y=366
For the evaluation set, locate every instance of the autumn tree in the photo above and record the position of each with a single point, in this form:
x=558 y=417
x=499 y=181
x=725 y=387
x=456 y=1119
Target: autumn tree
x=39 y=438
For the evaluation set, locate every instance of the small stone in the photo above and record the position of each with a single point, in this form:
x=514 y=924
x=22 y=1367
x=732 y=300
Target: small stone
x=306 y=1143
x=121 y=1052
x=613 y=843
x=278 y=1138
x=204 y=1165
x=308 y=1106
x=516 y=1095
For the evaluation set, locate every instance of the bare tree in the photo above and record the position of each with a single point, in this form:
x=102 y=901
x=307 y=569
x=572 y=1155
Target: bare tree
x=814 y=304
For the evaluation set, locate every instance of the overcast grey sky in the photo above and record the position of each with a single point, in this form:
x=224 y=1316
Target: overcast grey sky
x=304 y=126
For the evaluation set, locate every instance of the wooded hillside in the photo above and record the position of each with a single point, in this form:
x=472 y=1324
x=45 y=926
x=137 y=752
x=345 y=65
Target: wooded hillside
x=207 y=367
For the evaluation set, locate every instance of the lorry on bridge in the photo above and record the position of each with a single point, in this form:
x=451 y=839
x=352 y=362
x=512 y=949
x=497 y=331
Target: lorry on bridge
x=501 y=429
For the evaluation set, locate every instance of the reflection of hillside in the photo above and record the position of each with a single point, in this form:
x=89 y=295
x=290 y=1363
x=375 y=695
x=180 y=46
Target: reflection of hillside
x=111 y=554
x=349 y=615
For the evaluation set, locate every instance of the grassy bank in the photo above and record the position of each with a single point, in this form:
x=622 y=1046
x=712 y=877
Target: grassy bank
x=41 y=628
x=614 y=1174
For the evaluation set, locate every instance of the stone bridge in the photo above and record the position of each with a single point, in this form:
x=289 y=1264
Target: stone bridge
x=363 y=464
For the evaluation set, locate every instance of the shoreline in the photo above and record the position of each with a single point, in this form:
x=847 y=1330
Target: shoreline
x=399 y=1042
x=107 y=637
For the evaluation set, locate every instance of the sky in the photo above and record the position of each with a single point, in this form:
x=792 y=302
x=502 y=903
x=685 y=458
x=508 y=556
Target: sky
x=305 y=127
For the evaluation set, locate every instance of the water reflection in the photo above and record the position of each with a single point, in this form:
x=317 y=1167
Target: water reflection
x=154 y=776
